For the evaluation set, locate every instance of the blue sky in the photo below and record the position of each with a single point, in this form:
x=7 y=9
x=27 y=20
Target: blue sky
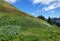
x=47 y=8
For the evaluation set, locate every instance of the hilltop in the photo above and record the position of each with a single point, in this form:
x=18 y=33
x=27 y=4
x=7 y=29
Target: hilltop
x=16 y=25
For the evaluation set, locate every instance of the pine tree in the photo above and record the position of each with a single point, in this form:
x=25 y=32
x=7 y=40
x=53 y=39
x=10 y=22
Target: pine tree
x=41 y=17
x=50 y=21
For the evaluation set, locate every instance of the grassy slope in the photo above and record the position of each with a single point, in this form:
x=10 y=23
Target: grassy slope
x=18 y=26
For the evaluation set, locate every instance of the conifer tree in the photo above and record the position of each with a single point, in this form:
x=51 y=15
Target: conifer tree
x=41 y=17
x=49 y=21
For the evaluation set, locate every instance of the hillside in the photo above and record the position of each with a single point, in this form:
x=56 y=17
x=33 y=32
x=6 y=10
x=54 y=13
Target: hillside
x=16 y=25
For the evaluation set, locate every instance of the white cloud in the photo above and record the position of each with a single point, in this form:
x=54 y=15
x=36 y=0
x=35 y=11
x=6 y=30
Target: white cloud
x=11 y=1
x=52 y=6
x=53 y=12
x=42 y=1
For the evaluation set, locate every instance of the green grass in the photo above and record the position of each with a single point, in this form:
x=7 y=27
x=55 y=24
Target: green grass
x=18 y=26
x=24 y=28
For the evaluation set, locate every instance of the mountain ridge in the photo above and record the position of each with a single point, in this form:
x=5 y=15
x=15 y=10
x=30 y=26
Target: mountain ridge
x=56 y=21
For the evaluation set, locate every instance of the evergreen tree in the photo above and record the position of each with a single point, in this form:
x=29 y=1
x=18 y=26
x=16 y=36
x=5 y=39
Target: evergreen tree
x=50 y=21
x=41 y=17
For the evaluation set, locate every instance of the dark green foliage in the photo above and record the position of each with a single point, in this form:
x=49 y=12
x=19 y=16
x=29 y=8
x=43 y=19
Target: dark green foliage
x=50 y=21
x=41 y=17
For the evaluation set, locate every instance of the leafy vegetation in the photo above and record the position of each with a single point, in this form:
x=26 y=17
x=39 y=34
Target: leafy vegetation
x=49 y=20
x=18 y=26
x=41 y=17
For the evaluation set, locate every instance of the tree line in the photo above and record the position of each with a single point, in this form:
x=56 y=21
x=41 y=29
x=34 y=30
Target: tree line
x=49 y=20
